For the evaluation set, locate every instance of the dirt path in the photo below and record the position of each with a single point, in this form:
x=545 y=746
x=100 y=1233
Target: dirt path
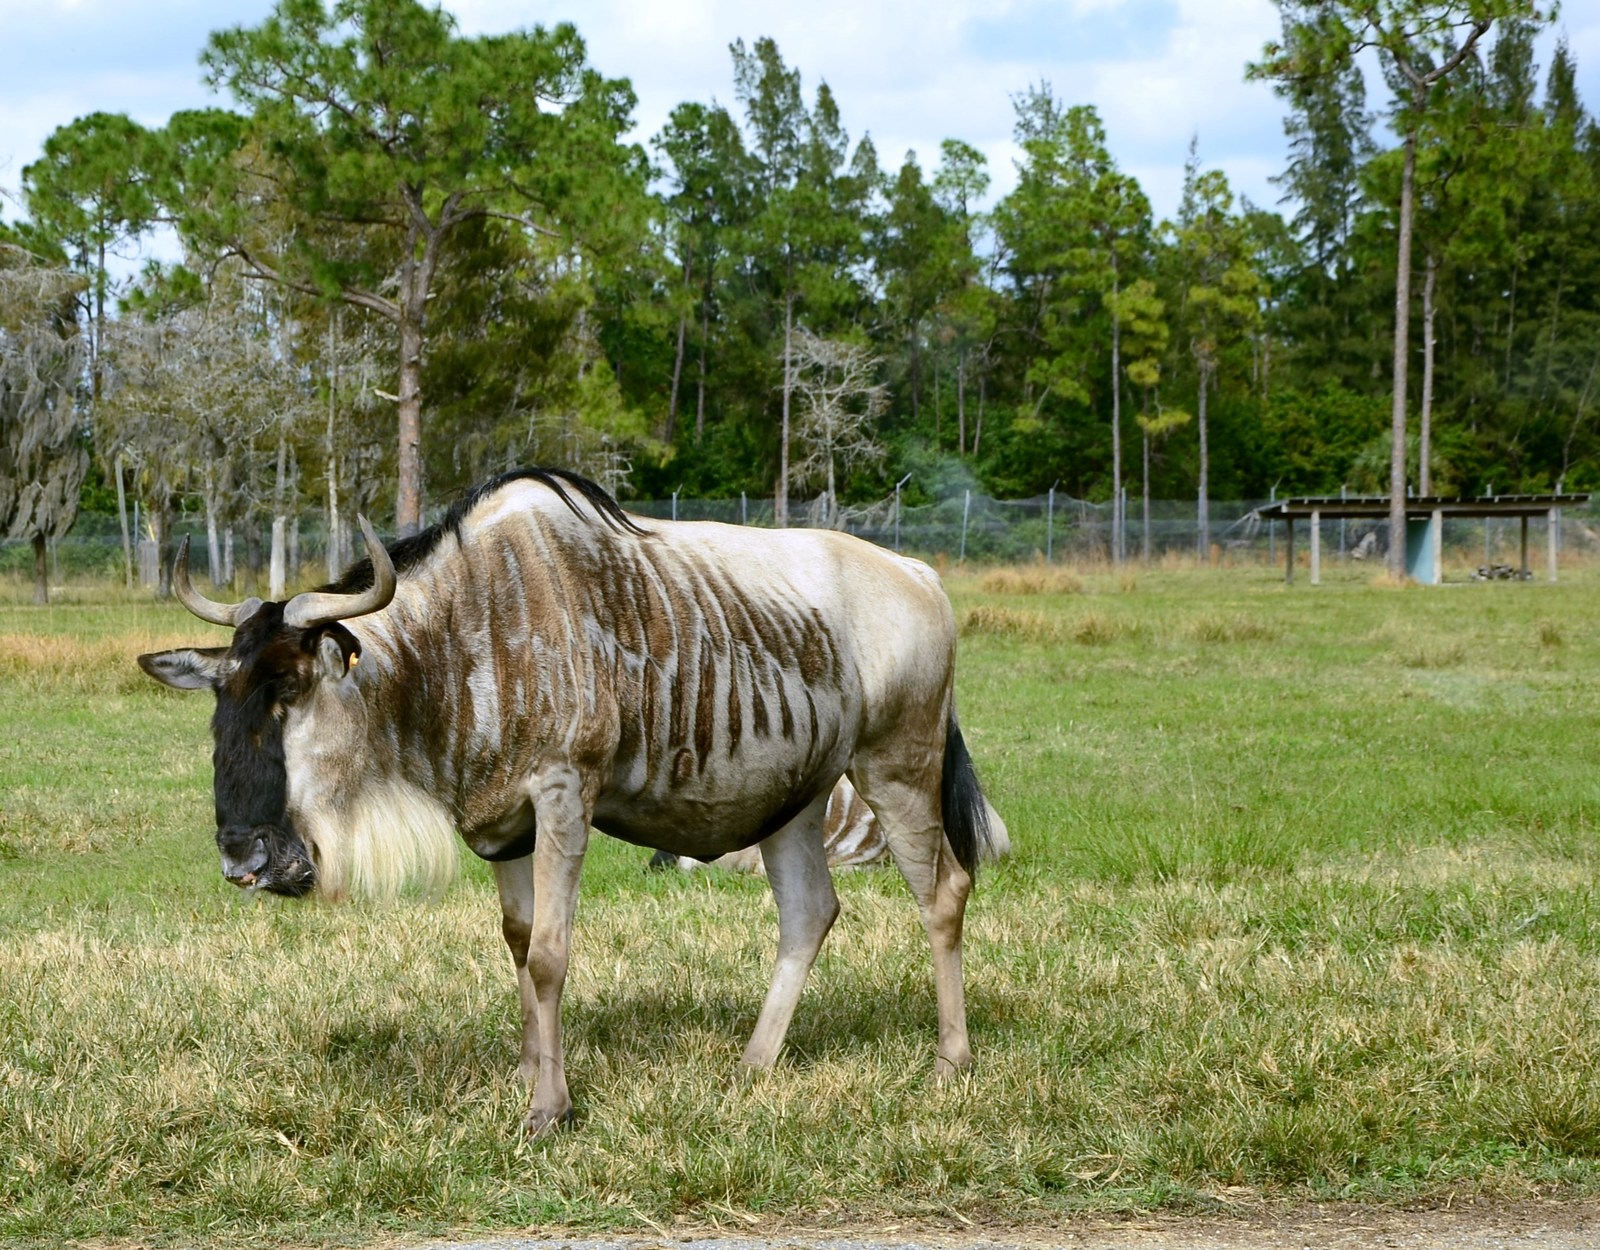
x=1470 y=1226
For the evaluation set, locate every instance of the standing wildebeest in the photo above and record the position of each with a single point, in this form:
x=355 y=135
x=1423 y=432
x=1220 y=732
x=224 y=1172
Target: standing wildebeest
x=532 y=664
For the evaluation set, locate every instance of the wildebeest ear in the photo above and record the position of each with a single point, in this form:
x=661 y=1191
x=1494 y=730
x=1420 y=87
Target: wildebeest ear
x=335 y=654
x=189 y=668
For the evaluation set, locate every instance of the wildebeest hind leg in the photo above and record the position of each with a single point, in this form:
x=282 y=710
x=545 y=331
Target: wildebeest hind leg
x=514 y=880
x=797 y=867
x=907 y=808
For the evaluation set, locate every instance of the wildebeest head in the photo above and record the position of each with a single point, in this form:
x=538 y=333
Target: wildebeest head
x=281 y=657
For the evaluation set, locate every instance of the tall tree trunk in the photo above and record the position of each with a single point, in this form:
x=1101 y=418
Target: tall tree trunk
x=1117 y=539
x=677 y=361
x=780 y=500
x=252 y=552
x=122 y=516
x=1203 y=516
x=416 y=276
x=161 y=531
x=294 y=517
x=334 y=553
x=41 y=569
x=1425 y=413
x=98 y=346
x=700 y=387
x=1402 y=348
x=1511 y=319
x=916 y=382
x=408 y=498
x=961 y=402
x=977 y=429
x=277 y=575
x=705 y=339
x=677 y=374
x=1145 y=537
x=213 y=533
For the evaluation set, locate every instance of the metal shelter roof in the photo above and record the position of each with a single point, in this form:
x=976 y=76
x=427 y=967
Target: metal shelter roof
x=1332 y=507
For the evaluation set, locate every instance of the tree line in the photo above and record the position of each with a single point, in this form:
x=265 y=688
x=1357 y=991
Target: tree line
x=413 y=258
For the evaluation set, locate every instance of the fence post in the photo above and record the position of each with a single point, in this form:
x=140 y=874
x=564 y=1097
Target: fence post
x=1343 y=488
x=744 y=509
x=1272 y=531
x=1487 y=521
x=1050 y=527
x=675 y=504
x=966 y=507
x=897 y=487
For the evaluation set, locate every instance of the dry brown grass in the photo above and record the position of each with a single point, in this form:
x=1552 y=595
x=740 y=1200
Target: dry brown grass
x=1031 y=580
x=83 y=664
x=1001 y=622
x=1095 y=629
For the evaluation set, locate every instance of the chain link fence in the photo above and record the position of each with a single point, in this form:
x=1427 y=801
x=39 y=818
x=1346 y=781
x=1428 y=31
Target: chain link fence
x=970 y=526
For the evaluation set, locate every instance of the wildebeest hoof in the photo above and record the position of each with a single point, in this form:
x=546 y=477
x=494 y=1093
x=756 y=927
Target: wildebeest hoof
x=949 y=1069
x=538 y=1123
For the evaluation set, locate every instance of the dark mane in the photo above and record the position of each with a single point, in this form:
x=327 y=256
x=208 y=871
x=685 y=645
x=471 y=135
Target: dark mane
x=407 y=553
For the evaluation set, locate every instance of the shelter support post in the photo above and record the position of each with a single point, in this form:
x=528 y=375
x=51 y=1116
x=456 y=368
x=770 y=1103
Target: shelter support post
x=1316 y=548
x=1288 y=550
x=1552 y=539
x=1523 y=567
x=1438 y=547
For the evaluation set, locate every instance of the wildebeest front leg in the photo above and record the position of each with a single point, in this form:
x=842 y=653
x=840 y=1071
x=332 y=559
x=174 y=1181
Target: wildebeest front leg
x=797 y=867
x=514 y=880
x=563 y=821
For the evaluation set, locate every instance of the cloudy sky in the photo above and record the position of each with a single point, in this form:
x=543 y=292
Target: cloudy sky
x=909 y=72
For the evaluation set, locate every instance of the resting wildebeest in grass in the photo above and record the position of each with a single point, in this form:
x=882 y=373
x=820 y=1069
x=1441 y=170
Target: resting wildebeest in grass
x=538 y=663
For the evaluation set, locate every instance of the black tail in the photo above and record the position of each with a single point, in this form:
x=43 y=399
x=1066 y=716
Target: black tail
x=966 y=816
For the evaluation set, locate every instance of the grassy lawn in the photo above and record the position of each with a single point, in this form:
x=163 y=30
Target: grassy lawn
x=1302 y=906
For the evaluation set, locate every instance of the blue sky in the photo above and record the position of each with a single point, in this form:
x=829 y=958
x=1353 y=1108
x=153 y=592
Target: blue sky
x=910 y=72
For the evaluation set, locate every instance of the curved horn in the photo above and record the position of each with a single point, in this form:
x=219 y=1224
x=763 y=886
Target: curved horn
x=229 y=614
x=324 y=607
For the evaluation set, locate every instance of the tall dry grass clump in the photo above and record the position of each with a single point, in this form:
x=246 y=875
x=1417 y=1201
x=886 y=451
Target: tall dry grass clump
x=1039 y=580
x=1095 y=629
x=1009 y=623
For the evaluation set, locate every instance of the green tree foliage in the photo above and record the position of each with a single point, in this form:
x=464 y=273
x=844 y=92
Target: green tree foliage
x=373 y=132
x=1420 y=44
x=91 y=194
x=462 y=220
x=43 y=458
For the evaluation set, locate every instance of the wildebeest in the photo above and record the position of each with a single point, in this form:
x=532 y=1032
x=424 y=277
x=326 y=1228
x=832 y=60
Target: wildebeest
x=537 y=663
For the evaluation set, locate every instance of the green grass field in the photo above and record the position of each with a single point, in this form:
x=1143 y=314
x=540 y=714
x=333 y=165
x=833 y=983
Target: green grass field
x=1303 y=906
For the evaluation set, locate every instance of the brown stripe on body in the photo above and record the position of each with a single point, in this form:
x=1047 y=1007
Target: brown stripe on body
x=758 y=705
x=705 y=711
x=785 y=712
x=736 y=660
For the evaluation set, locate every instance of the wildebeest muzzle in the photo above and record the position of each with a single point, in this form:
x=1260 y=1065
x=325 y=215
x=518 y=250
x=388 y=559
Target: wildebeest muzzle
x=267 y=857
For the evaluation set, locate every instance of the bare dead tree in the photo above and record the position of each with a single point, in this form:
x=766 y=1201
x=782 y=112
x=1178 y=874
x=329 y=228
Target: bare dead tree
x=839 y=402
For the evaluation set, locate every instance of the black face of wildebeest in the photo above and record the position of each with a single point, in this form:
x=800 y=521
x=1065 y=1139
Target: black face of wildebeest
x=255 y=681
